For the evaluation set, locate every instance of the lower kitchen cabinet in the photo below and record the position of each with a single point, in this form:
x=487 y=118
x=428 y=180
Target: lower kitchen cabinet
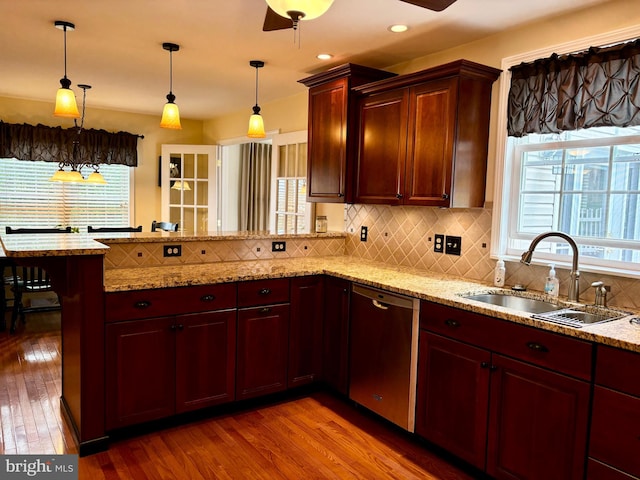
x=335 y=338
x=262 y=350
x=453 y=396
x=305 y=330
x=158 y=367
x=615 y=418
x=501 y=395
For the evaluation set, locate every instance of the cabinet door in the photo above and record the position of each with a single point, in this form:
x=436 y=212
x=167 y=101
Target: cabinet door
x=326 y=168
x=140 y=371
x=382 y=148
x=335 y=355
x=205 y=359
x=453 y=396
x=538 y=423
x=262 y=348
x=305 y=330
x=430 y=157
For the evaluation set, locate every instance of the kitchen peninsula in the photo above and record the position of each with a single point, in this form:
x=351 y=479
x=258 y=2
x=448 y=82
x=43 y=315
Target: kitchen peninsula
x=120 y=280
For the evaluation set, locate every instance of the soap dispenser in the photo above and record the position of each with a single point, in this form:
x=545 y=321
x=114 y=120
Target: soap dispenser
x=552 y=285
x=499 y=274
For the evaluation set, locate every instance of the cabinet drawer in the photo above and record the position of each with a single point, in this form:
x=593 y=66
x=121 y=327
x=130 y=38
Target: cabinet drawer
x=557 y=352
x=263 y=292
x=615 y=426
x=618 y=369
x=168 y=301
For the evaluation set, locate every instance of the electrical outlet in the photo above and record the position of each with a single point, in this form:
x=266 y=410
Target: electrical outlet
x=453 y=245
x=278 y=246
x=364 y=232
x=172 y=250
x=438 y=245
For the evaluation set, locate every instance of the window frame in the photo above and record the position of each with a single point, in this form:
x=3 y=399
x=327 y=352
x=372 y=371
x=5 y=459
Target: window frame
x=505 y=153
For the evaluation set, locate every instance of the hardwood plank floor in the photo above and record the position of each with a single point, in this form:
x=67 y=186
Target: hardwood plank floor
x=314 y=437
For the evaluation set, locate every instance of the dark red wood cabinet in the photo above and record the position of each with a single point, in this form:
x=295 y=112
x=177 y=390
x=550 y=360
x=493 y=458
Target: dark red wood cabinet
x=335 y=338
x=615 y=421
x=491 y=392
x=158 y=367
x=332 y=125
x=305 y=330
x=262 y=337
x=423 y=137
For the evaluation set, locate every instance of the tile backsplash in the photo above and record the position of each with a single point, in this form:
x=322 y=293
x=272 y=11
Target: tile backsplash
x=406 y=235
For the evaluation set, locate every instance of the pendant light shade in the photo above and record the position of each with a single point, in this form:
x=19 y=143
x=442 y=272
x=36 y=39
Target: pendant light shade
x=66 y=105
x=256 y=123
x=170 y=113
x=300 y=9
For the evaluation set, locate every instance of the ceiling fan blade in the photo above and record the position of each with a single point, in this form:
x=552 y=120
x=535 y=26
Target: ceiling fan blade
x=273 y=21
x=436 y=5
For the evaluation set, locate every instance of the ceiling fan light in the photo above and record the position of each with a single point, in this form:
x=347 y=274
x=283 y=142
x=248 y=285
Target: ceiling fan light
x=66 y=105
x=310 y=8
x=170 y=116
x=256 y=126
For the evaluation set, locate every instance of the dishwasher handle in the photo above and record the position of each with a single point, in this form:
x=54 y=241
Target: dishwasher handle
x=381 y=306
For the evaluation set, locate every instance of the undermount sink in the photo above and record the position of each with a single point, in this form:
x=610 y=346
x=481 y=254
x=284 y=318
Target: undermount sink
x=564 y=314
x=524 y=304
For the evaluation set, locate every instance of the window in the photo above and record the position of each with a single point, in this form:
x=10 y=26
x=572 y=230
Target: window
x=292 y=212
x=585 y=183
x=29 y=199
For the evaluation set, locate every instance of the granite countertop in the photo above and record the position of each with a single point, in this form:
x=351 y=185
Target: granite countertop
x=422 y=284
x=66 y=244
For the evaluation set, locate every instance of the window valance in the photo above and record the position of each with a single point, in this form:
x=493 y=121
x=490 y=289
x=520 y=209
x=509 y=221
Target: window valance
x=55 y=144
x=596 y=88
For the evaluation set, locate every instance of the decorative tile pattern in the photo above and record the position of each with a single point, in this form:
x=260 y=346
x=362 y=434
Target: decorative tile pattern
x=405 y=236
x=150 y=254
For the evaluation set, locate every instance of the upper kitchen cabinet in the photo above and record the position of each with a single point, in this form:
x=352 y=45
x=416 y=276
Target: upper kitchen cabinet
x=332 y=126
x=423 y=137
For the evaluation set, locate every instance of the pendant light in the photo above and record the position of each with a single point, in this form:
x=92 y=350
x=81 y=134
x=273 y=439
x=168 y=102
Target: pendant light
x=170 y=113
x=256 y=123
x=65 y=99
x=298 y=10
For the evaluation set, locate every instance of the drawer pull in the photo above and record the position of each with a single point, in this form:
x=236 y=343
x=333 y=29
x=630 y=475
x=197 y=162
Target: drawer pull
x=484 y=365
x=142 y=304
x=265 y=310
x=537 y=347
x=265 y=291
x=207 y=298
x=451 y=323
x=175 y=327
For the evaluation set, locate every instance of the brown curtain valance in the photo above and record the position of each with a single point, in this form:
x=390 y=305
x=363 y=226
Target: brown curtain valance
x=55 y=144
x=596 y=88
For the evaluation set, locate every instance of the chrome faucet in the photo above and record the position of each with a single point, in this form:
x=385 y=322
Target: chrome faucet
x=574 y=284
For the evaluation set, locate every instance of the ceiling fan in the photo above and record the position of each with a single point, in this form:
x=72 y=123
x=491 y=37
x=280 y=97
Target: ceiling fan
x=275 y=21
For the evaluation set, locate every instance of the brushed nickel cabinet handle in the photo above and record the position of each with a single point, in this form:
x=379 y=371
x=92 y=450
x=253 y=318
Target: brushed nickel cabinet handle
x=207 y=298
x=538 y=347
x=265 y=291
x=142 y=304
x=452 y=323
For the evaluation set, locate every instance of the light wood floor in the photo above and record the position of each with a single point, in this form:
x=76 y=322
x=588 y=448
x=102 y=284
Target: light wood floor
x=314 y=437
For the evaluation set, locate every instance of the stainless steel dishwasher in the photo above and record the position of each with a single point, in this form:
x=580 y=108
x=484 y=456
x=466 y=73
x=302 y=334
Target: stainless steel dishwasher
x=383 y=353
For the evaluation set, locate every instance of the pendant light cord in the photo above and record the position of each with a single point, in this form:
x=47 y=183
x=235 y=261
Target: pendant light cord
x=170 y=71
x=257 y=68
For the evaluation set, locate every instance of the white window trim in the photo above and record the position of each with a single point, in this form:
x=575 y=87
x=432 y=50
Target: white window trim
x=502 y=185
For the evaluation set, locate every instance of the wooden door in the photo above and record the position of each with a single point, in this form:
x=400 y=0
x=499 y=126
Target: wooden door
x=262 y=350
x=305 y=330
x=453 y=396
x=335 y=355
x=430 y=157
x=537 y=423
x=205 y=359
x=140 y=371
x=382 y=148
x=326 y=168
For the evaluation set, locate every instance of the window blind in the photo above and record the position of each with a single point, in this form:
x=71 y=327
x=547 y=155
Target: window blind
x=29 y=199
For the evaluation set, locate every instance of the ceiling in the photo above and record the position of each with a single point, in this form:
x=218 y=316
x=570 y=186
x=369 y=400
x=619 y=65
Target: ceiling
x=117 y=46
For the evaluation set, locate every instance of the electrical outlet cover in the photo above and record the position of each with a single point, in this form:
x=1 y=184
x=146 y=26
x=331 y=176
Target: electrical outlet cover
x=453 y=245
x=438 y=244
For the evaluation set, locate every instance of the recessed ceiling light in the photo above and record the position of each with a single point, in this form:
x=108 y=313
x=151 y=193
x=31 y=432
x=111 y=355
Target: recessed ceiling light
x=324 y=56
x=398 y=28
